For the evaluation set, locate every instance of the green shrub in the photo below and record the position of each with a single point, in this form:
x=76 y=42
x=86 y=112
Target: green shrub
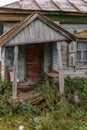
x=50 y=93
x=4 y=108
x=26 y=109
x=74 y=84
x=5 y=88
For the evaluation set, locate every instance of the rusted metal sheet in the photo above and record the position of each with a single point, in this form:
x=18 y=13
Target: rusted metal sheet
x=51 y=5
x=13 y=5
x=79 y=4
x=47 y=5
x=64 y=5
x=29 y=4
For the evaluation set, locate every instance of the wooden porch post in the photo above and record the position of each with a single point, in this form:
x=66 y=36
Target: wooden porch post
x=15 y=72
x=3 y=63
x=60 y=69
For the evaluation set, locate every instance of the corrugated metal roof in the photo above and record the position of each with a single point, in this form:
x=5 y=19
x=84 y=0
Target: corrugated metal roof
x=51 y=5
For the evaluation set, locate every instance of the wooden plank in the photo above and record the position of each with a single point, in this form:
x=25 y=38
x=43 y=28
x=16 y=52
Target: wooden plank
x=33 y=60
x=11 y=17
x=15 y=72
x=3 y=63
x=60 y=69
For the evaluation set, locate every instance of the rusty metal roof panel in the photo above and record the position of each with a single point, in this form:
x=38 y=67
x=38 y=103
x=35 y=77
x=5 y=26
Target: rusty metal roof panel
x=64 y=5
x=29 y=4
x=79 y=4
x=47 y=5
x=13 y=5
x=85 y=1
x=51 y=5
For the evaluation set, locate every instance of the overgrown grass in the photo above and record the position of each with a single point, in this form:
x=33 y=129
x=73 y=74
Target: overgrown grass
x=53 y=113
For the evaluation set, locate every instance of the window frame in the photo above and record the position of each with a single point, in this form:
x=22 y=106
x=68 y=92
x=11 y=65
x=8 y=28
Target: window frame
x=82 y=50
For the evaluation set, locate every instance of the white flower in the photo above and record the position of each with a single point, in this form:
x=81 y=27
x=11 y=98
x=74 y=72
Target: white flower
x=21 y=127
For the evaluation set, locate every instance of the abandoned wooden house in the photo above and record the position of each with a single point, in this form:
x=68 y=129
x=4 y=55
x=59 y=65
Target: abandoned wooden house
x=43 y=36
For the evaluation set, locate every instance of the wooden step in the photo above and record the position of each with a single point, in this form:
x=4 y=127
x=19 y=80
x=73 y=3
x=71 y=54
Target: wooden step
x=33 y=97
x=26 y=86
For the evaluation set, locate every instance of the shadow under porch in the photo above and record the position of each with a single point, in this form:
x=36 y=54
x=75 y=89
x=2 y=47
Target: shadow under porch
x=33 y=61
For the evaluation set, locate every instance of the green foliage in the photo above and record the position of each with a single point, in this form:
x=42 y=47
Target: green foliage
x=5 y=88
x=74 y=84
x=4 y=108
x=84 y=92
x=66 y=116
x=53 y=113
x=26 y=109
x=78 y=85
x=50 y=93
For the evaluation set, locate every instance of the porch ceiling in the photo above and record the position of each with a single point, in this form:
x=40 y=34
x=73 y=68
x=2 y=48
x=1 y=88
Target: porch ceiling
x=36 y=28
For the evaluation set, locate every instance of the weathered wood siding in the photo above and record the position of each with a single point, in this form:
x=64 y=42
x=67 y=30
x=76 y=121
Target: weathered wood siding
x=48 y=57
x=10 y=59
x=55 y=57
x=65 y=55
x=74 y=27
x=21 y=63
x=81 y=72
x=37 y=31
x=7 y=26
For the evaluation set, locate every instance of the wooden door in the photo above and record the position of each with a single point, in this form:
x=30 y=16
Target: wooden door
x=33 y=60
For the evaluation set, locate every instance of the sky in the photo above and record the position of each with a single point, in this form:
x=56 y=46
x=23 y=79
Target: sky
x=4 y=2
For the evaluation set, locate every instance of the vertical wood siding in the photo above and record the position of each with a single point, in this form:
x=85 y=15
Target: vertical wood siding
x=55 y=57
x=36 y=31
x=46 y=57
x=7 y=26
x=10 y=59
x=64 y=52
x=21 y=64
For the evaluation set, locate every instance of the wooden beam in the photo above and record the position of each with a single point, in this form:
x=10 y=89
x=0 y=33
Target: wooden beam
x=3 y=63
x=60 y=69
x=15 y=73
x=11 y=17
x=35 y=42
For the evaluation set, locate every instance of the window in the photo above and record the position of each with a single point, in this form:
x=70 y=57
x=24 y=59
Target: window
x=78 y=53
x=81 y=58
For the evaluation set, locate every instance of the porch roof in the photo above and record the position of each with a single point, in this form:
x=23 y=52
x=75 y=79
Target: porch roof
x=36 y=28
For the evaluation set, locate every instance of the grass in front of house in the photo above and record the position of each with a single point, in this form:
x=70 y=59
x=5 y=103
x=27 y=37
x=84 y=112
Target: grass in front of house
x=52 y=114
x=12 y=122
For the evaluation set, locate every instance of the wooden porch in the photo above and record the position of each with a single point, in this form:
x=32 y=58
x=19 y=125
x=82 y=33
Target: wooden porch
x=34 y=29
x=27 y=91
